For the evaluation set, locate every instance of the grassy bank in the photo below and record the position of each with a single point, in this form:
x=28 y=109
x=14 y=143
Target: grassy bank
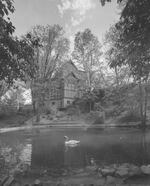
x=14 y=119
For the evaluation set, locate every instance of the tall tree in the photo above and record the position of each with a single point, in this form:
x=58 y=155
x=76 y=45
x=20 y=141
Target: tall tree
x=132 y=46
x=50 y=51
x=87 y=52
x=133 y=53
x=135 y=34
x=116 y=57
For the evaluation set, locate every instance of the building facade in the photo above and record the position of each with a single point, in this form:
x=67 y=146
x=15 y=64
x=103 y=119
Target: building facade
x=66 y=86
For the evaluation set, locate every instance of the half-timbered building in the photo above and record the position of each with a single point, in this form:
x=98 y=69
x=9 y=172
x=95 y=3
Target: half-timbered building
x=66 y=86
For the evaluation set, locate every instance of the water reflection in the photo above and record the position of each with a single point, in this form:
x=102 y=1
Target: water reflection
x=144 y=148
x=47 y=149
x=25 y=154
x=14 y=151
x=50 y=151
x=74 y=157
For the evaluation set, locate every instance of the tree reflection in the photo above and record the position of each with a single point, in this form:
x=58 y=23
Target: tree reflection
x=12 y=157
x=144 y=150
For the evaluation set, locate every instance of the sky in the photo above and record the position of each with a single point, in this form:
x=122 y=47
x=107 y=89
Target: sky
x=72 y=15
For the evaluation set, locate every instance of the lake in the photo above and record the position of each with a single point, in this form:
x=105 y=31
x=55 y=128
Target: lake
x=45 y=148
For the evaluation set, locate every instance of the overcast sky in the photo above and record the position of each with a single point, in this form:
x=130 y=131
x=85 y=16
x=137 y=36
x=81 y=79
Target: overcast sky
x=73 y=15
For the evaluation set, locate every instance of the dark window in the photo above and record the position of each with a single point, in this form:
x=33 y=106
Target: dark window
x=68 y=102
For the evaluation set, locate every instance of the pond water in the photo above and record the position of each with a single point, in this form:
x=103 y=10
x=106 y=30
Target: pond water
x=45 y=149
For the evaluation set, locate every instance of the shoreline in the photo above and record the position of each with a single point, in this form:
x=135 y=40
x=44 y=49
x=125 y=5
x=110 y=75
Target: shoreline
x=116 y=174
x=68 y=124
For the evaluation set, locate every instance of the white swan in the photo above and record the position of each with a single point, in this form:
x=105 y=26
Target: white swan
x=71 y=142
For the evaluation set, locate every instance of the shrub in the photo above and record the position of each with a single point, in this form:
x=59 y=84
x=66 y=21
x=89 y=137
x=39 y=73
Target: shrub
x=129 y=117
x=47 y=111
x=114 y=111
x=95 y=117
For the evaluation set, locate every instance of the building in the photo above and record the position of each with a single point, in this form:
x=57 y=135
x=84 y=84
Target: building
x=67 y=85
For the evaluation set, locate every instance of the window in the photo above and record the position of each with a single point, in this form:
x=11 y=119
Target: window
x=53 y=103
x=68 y=102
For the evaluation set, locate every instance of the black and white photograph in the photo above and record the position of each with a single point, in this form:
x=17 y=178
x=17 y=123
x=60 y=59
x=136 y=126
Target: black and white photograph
x=74 y=92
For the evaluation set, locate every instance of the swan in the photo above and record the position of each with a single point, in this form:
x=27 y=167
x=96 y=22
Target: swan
x=70 y=142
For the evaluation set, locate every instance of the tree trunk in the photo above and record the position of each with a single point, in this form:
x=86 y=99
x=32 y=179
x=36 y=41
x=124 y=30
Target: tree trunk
x=118 y=85
x=103 y=116
x=144 y=148
x=90 y=106
x=34 y=107
x=117 y=76
x=37 y=112
x=33 y=97
x=143 y=103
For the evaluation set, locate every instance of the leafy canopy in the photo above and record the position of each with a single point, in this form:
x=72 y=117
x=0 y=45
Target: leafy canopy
x=9 y=46
x=133 y=37
x=50 y=49
x=87 y=52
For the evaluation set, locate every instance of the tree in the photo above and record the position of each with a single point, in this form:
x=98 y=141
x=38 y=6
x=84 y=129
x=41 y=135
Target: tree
x=87 y=54
x=130 y=49
x=10 y=68
x=25 y=58
x=116 y=57
x=135 y=33
x=50 y=51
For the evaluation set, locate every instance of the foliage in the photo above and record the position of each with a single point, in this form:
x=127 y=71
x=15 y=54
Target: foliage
x=94 y=117
x=133 y=33
x=115 y=54
x=25 y=58
x=3 y=88
x=104 y=1
x=12 y=99
x=129 y=117
x=87 y=54
x=131 y=46
x=136 y=33
x=99 y=94
x=72 y=110
x=117 y=100
x=10 y=68
x=84 y=105
x=129 y=103
x=90 y=100
x=52 y=50
x=48 y=48
x=9 y=103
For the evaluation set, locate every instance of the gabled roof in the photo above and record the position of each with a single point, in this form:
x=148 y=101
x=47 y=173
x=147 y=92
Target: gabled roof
x=66 y=69
x=70 y=62
x=73 y=75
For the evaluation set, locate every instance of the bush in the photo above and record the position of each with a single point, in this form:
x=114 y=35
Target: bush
x=129 y=117
x=47 y=111
x=7 y=109
x=99 y=120
x=26 y=110
x=84 y=105
x=95 y=117
x=114 y=111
